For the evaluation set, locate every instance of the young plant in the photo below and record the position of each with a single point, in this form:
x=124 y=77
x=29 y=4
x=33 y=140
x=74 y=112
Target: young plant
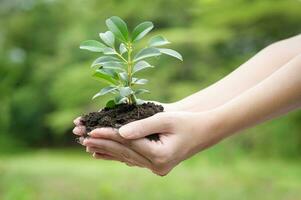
x=117 y=66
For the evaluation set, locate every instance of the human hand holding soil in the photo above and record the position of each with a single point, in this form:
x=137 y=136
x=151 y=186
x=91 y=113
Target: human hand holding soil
x=177 y=129
x=183 y=134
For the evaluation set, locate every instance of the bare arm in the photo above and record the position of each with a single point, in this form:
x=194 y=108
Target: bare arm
x=278 y=94
x=243 y=78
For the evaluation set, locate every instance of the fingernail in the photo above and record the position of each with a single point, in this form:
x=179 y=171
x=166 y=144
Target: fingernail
x=85 y=140
x=75 y=130
x=125 y=132
x=92 y=131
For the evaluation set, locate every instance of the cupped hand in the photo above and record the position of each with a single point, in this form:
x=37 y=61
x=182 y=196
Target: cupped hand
x=119 y=152
x=182 y=134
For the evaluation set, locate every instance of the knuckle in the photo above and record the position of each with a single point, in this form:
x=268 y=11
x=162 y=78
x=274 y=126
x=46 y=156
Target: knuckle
x=138 y=129
x=168 y=120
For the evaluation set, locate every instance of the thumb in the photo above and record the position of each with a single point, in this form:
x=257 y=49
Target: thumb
x=157 y=123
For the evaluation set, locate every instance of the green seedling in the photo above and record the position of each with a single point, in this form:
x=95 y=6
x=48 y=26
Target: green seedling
x=121 y=61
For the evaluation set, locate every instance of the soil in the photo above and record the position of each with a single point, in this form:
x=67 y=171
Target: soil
x=121 y=115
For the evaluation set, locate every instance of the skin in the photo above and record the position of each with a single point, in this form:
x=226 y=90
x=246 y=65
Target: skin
x=265 y=87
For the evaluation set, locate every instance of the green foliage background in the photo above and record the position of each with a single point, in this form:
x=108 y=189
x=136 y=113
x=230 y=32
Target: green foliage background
x=45 y=78
x=45 y=83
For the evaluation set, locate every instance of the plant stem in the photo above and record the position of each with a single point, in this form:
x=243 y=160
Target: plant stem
x=131 y=98
x=120 y=56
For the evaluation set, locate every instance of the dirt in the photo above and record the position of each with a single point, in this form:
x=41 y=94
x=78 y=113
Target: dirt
x=121 y=115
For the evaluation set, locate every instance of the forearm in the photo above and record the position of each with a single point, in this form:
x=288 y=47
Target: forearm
x=243 y=78
x=278 y=94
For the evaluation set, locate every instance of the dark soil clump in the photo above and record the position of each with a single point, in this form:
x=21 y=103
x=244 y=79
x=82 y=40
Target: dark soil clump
x=121 y=115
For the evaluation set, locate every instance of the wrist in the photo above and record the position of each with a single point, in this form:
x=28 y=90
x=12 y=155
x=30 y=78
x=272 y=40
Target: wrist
x=223 y=122
x=217 y=127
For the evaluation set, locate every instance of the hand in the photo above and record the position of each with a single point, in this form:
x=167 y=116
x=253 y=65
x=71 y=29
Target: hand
x=111 y=154
x=116 y=151
x=182 y=135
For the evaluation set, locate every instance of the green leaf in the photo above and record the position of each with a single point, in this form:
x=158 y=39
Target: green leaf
x=104 y=59
x=157 y=41
x=104 y=91
x=117 y=26
x=92 y=45
x=141 y=91
x=140 y=66
x=139 y=81
x=140 y=101
x=109 y=51
x=125 y=91
x=141 y=30
x=113 y=65
x=109 y=72
x=108 y=38
x=99 y=75
x=122 y=48
x=120 y=99
x=111 y=104
x=171 y=52
x=146 y=53
x=124 y=76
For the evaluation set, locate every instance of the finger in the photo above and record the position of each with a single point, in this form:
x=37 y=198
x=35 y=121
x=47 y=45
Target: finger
x=77 y=121
x=98 y=150
x=121 y=151
x=101 y=153
x=106 y=157
x=103 y=156
x=145 y=147
x=157 y=123
x=79 y=130
x=125 y=157
x=94 y=151
x=141 y=146
x=107 y=133
x=114 y=156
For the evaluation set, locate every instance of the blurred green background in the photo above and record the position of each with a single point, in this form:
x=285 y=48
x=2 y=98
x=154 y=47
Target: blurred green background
x=45 y=82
